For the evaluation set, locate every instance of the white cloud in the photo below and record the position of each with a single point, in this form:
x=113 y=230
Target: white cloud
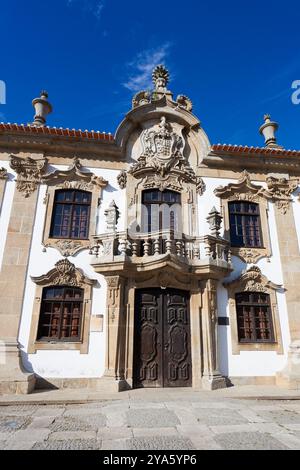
x=141 y=67
x=93 y=7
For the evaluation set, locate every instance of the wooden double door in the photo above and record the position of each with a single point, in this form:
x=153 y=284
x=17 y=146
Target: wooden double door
x=162 y=339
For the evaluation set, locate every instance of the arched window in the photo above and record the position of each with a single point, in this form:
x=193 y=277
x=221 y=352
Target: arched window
x=71 y=214
x=254 y=317
x=245 y=227
x=161 y=210
x=61 y=314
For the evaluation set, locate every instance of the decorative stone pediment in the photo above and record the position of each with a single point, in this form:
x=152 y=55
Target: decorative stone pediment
x=64 y=274
x=75 y=177
x=72 y=178
x=243 y=189
x=252 y=280
x=29 y=173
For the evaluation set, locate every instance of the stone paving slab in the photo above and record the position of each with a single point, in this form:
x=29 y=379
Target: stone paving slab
x=152 y=425
x=160 y=442
x=249 y=441
x=142 y=418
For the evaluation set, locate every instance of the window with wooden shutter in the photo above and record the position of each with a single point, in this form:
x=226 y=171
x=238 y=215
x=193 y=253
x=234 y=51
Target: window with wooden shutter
x=245 y=226
x=61 y=314
x=71 y=214
x=254 y=317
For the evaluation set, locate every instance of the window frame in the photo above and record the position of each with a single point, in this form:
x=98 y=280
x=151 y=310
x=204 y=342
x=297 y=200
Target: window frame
x=251 y=304
x=73 y=204
x=245 y=214
x=62 y=301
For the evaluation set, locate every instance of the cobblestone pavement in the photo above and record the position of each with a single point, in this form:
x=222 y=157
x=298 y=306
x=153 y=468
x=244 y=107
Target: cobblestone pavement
x=177 y=424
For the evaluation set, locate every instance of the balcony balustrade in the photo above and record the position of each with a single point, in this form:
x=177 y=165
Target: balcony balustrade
x=143 y=248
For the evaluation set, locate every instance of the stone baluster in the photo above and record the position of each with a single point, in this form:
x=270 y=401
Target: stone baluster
x=134 y=246
x=156 y=246
x=178 y=245
x=122 y=246
x=146 y=247
x=196 y=251
x=168 y=246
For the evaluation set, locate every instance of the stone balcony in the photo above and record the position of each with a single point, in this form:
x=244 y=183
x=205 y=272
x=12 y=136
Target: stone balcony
x=124 y=254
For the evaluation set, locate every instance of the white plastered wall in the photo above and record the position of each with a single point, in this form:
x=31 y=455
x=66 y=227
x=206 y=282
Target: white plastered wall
x=247 y=363
x=68 y=364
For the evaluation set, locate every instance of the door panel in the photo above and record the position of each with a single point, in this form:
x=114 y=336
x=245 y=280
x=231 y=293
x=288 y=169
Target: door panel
x=162 y=348
x=148 y=339
x=177 y=347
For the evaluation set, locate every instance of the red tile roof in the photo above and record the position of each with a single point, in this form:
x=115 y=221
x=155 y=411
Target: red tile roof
x=268 y=151
x=58 y=131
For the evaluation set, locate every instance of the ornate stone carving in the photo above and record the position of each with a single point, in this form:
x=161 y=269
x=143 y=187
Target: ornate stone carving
x=112 y=215
x=29 y=173
x=75 y=177
x=64 y=273
x=250 y=255
x=200 y=185
x=184 y=102
x=214 y=220
x=160 y=77
x=122 y=179
x=162 y=163
x=243 y=189
x=252 y=280
x=280 y=190
x=68 y=247
x=113 y=286
x=3 y=173
x=140 y=98
x=72 y=178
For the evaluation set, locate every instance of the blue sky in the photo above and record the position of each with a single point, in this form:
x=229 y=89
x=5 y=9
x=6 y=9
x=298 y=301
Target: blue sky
x=235 y=62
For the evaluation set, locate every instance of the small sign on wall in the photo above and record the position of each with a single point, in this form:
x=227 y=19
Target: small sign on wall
x=97 y=323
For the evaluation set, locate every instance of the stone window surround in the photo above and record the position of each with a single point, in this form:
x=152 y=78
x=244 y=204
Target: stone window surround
x=253 y=280
x=73 y=178
x=64 y=273
x=244 y=190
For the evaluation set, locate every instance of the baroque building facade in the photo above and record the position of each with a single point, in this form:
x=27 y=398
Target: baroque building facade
x=150 y=258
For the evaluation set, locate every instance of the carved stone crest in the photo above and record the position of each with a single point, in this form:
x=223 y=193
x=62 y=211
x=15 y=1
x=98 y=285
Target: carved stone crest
x=29 y=173
x=64 y=273
x=162 y=163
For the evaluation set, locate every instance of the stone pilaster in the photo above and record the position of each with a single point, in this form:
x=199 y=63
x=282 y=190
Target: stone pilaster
x=13 y=379
x=115 y=333
x=211 y=379
x=290 y=264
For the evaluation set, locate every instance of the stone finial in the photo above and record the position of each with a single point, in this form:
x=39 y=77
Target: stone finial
x=42 y=109
x=214 y=220
x=268 y=130
x=160 y=77
x=112 y=215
